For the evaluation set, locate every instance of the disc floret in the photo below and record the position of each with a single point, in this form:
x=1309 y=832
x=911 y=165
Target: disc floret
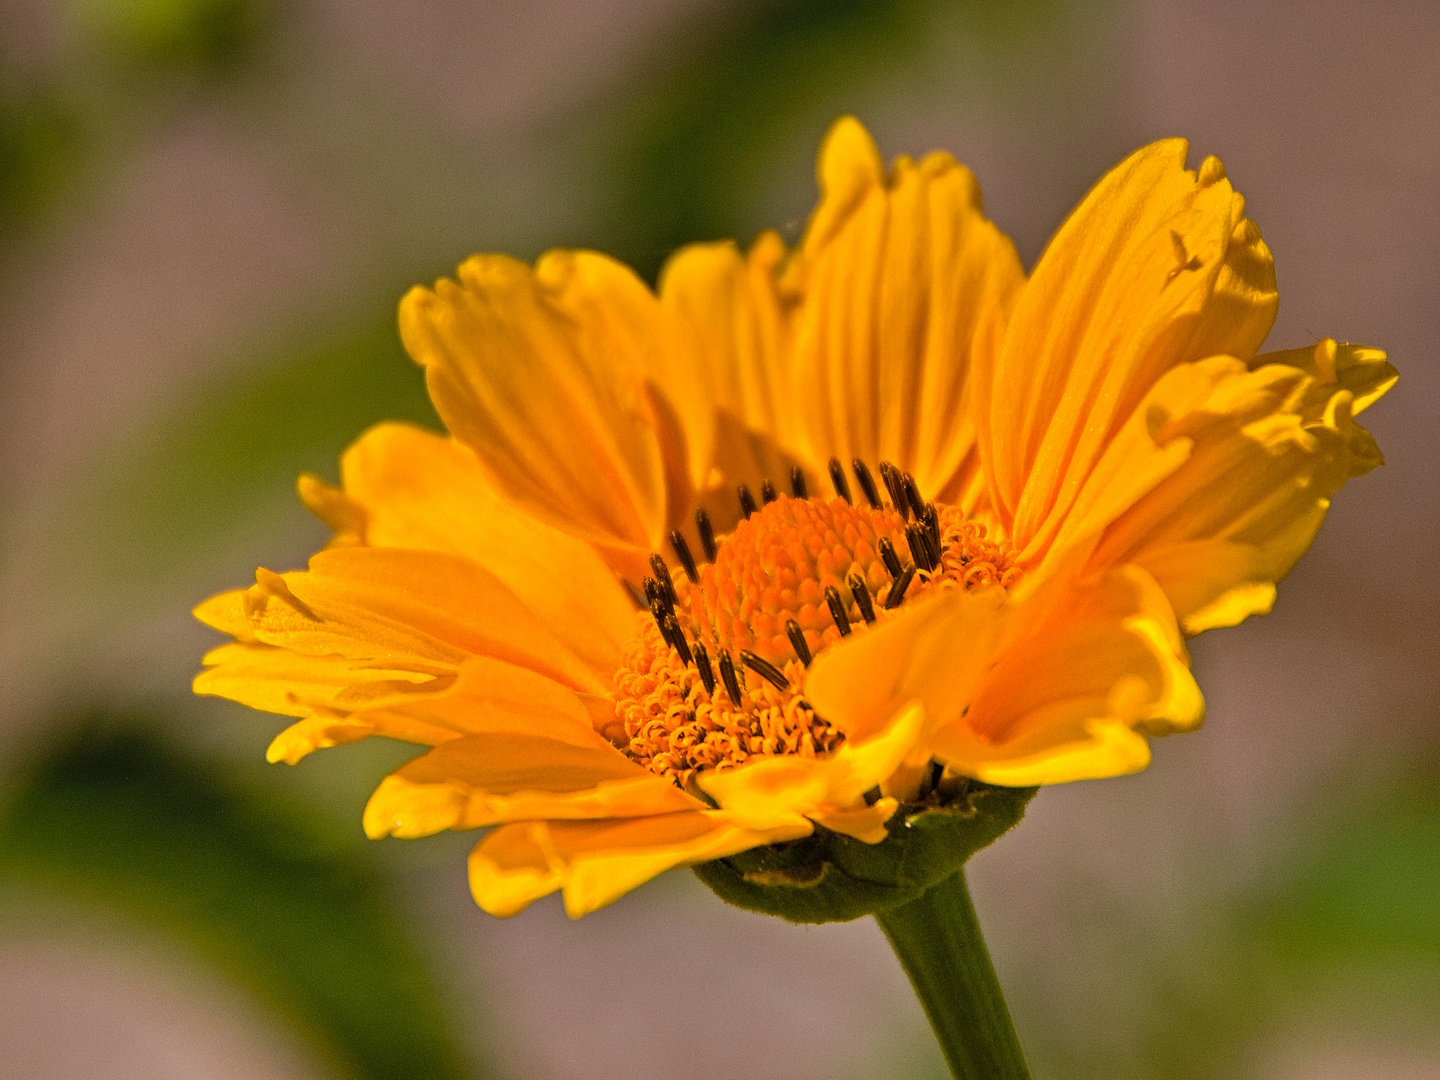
x=713 y=675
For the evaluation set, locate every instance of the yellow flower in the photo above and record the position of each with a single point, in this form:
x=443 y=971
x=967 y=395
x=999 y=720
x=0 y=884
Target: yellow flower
x=1040 y=485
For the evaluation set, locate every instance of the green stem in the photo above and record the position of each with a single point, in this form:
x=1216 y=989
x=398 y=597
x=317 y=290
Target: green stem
x=938 y=941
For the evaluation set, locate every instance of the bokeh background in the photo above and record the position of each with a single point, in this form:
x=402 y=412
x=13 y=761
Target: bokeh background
x=208 y=209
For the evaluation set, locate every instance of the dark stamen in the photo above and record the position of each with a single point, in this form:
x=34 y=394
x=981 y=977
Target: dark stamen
x=867 y=484
x=677 y=639
x=932 y=526
x=707 y=534
x=912 y=495
x=919 y=546
x=797 y=641
x=891 y=476
x=682 y=552
x=767 y=493
x=766 y=670
x=797 y=483
x=931 y=780
x=727 y=675
x=932 y=542
x=702 y=664
x=655 y=594
x=888 y=556
x=747 y=501
x=837 y=610
x=898 y=587
x=662 y=619
x=872 y=796
x=884 y=470
x=837 y=477
x=861 y=592
x=662 y=575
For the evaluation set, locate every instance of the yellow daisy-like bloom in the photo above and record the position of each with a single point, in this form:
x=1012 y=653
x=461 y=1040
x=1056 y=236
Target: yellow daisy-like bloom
x=922 y=518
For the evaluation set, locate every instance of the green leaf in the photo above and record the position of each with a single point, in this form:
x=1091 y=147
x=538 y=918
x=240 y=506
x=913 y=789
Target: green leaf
x=117 y=816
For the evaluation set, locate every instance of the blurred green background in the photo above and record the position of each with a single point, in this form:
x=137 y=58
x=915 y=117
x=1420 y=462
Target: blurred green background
x=208 y=209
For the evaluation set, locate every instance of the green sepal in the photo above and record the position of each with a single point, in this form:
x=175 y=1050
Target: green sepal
x=828 y=877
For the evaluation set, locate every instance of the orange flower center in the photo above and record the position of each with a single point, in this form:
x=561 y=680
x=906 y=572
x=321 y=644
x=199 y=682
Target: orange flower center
x=713 y=676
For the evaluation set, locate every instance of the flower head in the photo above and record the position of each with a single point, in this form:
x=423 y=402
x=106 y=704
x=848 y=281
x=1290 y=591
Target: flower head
x=804 y=536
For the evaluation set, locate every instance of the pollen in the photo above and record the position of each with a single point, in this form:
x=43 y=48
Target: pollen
x=713 y=676
x=776 y=567
x=674 y=726
x=967 y=558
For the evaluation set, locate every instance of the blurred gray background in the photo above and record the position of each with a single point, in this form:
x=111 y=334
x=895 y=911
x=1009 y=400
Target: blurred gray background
x=208 y=209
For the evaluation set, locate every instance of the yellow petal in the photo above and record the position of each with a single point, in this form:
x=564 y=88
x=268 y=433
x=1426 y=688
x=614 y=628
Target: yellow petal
x=488 y=696
x=575 y=389
x=904 y=284
x=1213 y=583
x=934 y=653
x=1268 y=447
x=848 y=169
x=413 y=610
x=347 y=519
x=1067 y=699
x=611 y=303
x=410 y=488
x=481 y=780
x=1362 y=371
x=280 y=681
x=1081 y=745
x=491 y=696
x=226 y=612
x=1150 y=447
x=1156 y=267
x=597 y=862
x=864 y=823
x=326 y=729
x=742 y=326
x=773 y=792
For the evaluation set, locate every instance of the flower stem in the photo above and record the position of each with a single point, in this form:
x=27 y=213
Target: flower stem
x=938 y=941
